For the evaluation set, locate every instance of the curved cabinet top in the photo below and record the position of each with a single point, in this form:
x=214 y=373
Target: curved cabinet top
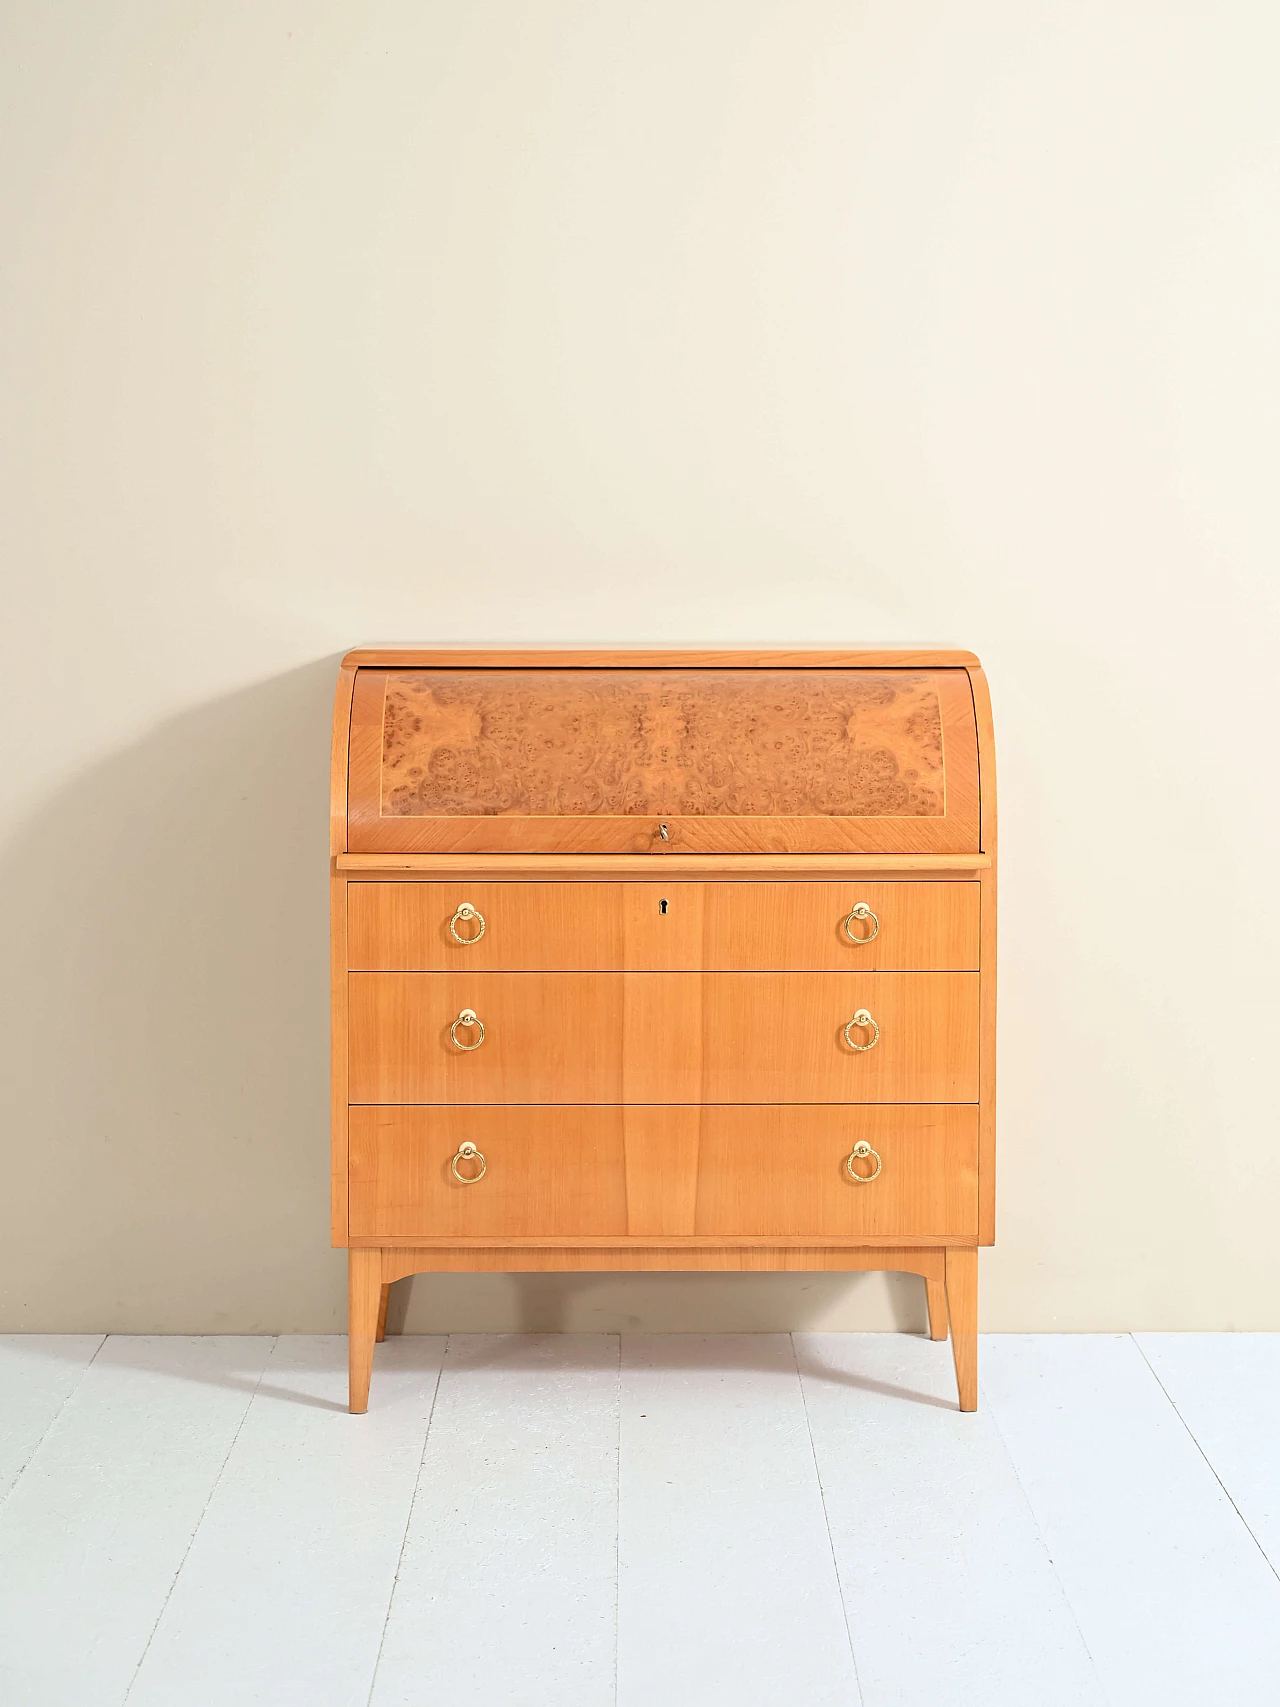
x=743 y=755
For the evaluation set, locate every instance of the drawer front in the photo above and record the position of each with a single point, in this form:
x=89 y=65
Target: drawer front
x=643 y=1171
x=624 y=926
x=547 y=1171
x=662 y=1037
x=785 y=1171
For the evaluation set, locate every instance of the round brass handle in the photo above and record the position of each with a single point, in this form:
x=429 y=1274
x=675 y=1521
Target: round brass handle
x=862 y=1019
x=859 y=1152
x=468 y=1153
x=465 y=912
x=466 y=1018
x=862 y=911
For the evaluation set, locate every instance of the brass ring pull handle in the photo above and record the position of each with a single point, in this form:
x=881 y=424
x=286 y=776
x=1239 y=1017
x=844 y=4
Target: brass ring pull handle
x=859 y=1152
x=466 y=912
x=467 y=1018
x=862 y=911
x=468 y=1153
x=862 y=1019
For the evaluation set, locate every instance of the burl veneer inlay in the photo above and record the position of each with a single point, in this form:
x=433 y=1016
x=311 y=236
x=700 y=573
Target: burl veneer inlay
x=696 y=743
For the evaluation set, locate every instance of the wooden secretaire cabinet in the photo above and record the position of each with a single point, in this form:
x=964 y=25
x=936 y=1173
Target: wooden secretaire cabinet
x=663 y=960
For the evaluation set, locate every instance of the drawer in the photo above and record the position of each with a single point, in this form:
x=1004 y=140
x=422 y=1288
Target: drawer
x=644 y=1171
x=658 y=926
x=662 y=1037
x=784 y=1171
x=548 y=1171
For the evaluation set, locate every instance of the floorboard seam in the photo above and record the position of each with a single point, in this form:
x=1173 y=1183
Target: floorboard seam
x=1043 y=1539
x=826 y=1517
x=191 y=1539
x=44 y=1433
x=1200 y=1449
x=408 y=1522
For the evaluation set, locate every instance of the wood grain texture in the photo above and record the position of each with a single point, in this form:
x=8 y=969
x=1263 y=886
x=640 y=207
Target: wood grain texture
x=668 y=927
x=654 y=1085
x=782 y=1170
x=663 y=1172
x=987 y=1029
x=726 y=761
x=338 y=768
x=662 y=1037
x=692 y=1242
x=407 y=656
x=364 y=1298
x=338 y=1035
x=736 y=743
x=592 y=868
x=548 y=1171
x=399 y=1261
x=936 y=1303
x=962 y=1309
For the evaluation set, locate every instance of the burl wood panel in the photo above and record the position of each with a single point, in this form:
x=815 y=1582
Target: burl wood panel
x=663 y=1037
x=790 y=743
x=585 y=1172
x=728 y=760
x=664 y=927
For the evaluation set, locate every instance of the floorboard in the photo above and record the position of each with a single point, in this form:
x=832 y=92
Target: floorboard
x=578 y=1521
x=38 y=1374
x=1226 y=1389
x=507 y=1590
x=728 y=1591
x=951 y=1593
x=100 y=1521
x=284 y=1594
x=1174 y=1599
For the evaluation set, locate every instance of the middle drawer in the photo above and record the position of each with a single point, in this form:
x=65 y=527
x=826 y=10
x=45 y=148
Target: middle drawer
x=662 y=1037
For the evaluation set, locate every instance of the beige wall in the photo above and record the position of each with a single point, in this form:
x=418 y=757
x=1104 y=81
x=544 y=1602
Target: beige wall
x=677 y=319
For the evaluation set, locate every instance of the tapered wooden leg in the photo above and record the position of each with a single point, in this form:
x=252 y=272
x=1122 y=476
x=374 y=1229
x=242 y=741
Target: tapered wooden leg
x=364 y=1296
x=382 y=1314
x=936 y=1293
x=962 y=1307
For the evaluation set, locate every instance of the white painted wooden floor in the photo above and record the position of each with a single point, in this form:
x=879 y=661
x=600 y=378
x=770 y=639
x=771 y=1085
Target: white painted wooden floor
x=655 y=1522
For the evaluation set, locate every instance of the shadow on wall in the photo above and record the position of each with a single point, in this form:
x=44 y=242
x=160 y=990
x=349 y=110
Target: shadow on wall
x=165 y=949
x=657 y=1303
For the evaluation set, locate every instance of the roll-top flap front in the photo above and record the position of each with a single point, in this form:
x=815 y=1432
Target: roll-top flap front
x=625 y=760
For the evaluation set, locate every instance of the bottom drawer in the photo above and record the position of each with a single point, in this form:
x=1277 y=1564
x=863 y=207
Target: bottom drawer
x=725 y=1171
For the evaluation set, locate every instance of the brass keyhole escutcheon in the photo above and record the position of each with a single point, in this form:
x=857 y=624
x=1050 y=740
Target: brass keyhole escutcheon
x=662 y=906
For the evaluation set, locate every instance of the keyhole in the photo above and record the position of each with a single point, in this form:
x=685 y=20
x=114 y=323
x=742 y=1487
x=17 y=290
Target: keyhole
x=662 y=906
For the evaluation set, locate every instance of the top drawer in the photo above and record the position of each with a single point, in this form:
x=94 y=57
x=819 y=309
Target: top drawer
x=675 y=927
x=661 y=760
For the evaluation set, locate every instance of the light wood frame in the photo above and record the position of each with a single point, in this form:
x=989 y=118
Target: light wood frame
x=949 y=1271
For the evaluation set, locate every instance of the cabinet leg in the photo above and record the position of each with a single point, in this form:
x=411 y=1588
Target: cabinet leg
x=936 y=1293
x=962 y=1307
x=382 y=1315
x=364 y=1295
